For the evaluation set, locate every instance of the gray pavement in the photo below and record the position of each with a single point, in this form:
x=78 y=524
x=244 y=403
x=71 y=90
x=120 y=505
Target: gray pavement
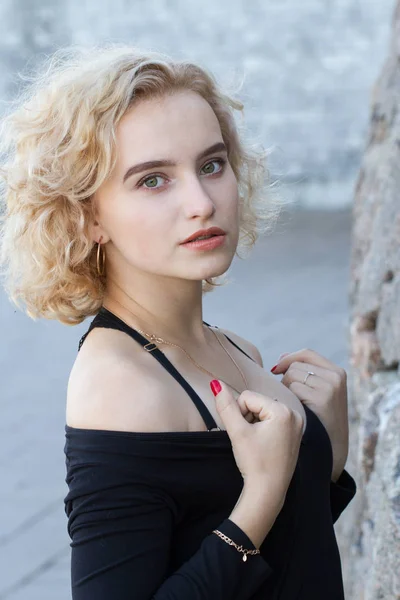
x=291 y=293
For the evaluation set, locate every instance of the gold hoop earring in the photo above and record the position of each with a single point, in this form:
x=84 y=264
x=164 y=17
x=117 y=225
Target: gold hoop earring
x=103 y=259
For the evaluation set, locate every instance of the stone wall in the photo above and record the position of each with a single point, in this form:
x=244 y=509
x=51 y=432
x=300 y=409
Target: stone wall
x=370 y=529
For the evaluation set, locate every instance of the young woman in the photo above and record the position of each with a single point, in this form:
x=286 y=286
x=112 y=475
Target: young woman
x=128 y=190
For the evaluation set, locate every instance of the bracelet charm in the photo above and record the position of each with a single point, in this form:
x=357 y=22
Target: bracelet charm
x=232 y=543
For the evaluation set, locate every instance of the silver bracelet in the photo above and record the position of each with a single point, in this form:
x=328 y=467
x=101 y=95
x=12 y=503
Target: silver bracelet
x=232 y=543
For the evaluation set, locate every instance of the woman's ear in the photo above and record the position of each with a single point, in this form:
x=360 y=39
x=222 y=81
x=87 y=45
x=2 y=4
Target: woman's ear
x=96 y=230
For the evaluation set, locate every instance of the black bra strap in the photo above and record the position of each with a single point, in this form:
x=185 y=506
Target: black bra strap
x=109 y=320
x=105 y=318
x=232 y=342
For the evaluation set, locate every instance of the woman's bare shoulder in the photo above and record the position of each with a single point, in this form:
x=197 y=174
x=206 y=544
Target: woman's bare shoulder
x=112 y=386
x=247 y=346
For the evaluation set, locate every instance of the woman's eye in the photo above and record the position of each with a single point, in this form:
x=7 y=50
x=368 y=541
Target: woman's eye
x=219 y=161
x=152 y=179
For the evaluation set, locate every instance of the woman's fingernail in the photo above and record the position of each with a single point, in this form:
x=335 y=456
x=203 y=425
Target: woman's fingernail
x=215 y=386
x=273 y=368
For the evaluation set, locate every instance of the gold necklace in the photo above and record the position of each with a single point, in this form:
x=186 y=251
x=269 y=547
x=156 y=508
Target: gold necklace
x=155 y=340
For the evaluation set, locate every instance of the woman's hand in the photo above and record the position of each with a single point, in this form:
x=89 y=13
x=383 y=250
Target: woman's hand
x=325 y=393
x=266 y=451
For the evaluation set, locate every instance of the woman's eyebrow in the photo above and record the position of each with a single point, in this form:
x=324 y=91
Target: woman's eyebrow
x=152 y=164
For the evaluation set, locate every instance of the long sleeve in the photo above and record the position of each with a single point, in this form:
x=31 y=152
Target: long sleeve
x=121 y=550
x=123 y=524
x=341 y=493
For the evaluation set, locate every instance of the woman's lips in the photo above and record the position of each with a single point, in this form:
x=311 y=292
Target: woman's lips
x=208 y=244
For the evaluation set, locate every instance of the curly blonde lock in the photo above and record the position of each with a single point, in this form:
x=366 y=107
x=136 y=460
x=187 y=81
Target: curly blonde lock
x=58 y=146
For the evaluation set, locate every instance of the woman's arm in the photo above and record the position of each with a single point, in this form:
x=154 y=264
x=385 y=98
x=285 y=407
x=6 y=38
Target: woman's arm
x=121 y=522
x=122 y=541
x=342 y=492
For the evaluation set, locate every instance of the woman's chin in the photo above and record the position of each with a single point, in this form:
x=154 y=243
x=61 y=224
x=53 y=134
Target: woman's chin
x=213 y=267
x=209 y=273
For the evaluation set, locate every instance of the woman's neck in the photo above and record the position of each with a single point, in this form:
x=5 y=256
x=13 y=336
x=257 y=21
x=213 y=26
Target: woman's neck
x=165 y=313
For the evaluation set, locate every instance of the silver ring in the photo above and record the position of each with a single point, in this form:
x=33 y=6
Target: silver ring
x=308 y=373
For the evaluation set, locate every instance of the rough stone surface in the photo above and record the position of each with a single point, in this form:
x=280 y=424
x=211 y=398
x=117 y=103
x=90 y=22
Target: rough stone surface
x=370 y=529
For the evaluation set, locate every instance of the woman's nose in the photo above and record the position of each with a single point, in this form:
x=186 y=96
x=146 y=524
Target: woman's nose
x=197 y=200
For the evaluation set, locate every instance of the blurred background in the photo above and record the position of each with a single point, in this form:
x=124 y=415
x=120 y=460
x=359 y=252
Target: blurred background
x=308 y=70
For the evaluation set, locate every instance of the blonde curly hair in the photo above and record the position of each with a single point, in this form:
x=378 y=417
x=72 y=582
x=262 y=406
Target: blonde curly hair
x=58 y=146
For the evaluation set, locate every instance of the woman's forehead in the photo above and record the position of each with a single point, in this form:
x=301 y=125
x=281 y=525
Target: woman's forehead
x=181 y=110
x=166 y=132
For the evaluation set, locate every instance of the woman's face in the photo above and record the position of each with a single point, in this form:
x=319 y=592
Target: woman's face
x=146 y=212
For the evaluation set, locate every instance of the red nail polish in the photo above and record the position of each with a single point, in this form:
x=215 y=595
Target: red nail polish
x=273 y=368
x=215 y=386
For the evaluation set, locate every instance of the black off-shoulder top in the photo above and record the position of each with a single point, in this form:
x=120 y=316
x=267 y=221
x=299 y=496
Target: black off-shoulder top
x=141 y=509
